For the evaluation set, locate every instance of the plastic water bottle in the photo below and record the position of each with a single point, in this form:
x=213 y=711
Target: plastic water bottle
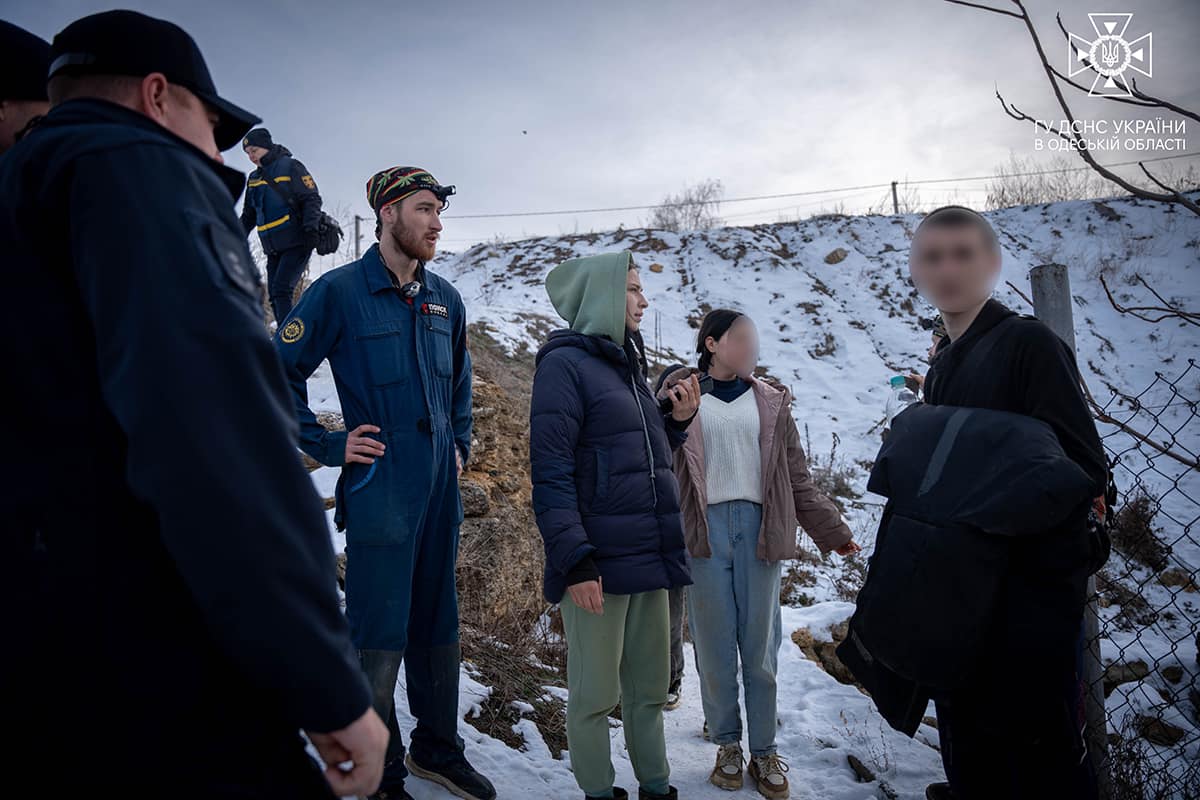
x=900 y=398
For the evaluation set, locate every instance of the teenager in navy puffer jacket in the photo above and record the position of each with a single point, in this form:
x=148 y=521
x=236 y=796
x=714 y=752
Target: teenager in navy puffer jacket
x=607 y=506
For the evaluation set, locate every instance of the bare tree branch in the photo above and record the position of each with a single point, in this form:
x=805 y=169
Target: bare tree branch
x=1166 y=311
x=985 y=8
x=1078 y=142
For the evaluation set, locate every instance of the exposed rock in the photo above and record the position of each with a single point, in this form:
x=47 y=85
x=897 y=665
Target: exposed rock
x=475 y=527
x=500 y=553
x=836 y=256
x=1173 y=673
x=1160 y=732
x=862 y=773
x=823 y=653
x=1177 y=576
x=474 y=498
x=656 y=267
x=1116 y=674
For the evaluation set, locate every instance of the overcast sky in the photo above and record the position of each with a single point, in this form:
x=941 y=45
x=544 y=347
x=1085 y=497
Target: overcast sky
x=530 y=106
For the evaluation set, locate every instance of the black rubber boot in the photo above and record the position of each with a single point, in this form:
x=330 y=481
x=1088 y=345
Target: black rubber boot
x=672 y=794
x=618 y=794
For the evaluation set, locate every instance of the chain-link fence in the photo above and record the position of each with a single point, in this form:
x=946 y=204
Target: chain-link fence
x=1149 y=592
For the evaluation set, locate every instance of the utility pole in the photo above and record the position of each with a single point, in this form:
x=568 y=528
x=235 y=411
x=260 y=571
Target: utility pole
x=1052 y=305
x=895 y=200
x=358 y=236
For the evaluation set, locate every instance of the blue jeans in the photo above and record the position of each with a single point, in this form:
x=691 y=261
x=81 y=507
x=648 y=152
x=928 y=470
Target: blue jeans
x=733 y=608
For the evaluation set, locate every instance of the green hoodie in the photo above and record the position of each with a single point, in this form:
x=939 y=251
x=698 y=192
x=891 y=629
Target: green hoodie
x=589 y=293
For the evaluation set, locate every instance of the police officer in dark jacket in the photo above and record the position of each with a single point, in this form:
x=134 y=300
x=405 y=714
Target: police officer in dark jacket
x=283 y=204
x=172 y=552
x=24 y=60
x=1013 y=729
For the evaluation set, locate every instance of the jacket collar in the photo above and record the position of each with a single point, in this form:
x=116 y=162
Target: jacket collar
x=129 y=125
x=769 y=398
x=600 y=346
x=379 y=277
x=992 y=313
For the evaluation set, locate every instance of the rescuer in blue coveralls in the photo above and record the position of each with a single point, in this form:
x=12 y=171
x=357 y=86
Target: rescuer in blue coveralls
x=395 y=336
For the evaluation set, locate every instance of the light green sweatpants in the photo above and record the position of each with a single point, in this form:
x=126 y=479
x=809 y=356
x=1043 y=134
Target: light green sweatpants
x=621 y=655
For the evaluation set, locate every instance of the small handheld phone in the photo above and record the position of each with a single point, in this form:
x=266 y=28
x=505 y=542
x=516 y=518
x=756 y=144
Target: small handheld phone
x=703 y=378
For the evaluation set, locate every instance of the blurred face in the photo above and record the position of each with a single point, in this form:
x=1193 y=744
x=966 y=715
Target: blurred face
x=15 y=115
x=737 y=350
x=954 y=268
x=255 y=154
x=635 y=301
x=414 y=224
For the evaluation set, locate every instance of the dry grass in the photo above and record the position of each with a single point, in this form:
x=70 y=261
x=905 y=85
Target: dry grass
x=504 y=635
x=1133 y=532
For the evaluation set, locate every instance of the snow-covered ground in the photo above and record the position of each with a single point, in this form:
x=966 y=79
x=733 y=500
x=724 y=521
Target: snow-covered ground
x=820 y=722
x=837 y=319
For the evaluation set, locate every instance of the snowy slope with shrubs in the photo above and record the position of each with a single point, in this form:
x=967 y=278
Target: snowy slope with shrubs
x=837 y=318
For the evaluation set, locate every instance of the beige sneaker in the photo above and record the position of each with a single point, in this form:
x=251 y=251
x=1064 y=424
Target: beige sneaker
x=727 y=774
x=767 y=774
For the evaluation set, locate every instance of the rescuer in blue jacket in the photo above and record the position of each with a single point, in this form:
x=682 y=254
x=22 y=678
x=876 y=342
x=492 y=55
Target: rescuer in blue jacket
x=283 y=205
x=395 y=335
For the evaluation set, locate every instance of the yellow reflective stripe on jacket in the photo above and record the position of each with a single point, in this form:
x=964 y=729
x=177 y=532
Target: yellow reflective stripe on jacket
x=275 y=224
x=283 y=178
x=261 y=182
x=257 y=183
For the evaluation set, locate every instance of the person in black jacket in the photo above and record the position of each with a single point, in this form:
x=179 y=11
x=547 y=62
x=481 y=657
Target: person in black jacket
x=1020 y=716
x=174 y=622
x=24 y=60
x=283 y=204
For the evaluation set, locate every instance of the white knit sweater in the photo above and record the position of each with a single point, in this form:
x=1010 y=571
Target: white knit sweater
x=732 y=457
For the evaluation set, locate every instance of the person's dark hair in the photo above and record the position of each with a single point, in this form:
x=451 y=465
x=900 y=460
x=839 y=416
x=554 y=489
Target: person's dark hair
x=960 y=217
x=715 y=324
x=114 y=88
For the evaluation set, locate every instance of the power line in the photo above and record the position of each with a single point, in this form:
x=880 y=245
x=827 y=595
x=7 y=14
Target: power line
x=565 y=212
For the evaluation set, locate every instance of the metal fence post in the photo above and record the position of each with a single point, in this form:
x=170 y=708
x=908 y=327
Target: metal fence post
x=1052 y=305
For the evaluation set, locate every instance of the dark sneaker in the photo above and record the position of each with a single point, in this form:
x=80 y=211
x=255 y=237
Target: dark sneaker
x=459 y=778
x=672 y=698
x=767 y=772
x=672 y=794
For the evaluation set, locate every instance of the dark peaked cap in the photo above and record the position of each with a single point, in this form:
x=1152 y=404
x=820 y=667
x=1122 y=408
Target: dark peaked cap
x=129 y=43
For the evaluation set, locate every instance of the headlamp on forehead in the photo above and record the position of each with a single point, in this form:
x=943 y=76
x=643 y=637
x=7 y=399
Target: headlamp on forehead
x=443 y=193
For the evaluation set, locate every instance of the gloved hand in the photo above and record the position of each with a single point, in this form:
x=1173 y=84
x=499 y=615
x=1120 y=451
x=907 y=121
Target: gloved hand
x=311 y=237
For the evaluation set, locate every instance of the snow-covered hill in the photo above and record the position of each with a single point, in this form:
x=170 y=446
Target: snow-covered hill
x=836 y=332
